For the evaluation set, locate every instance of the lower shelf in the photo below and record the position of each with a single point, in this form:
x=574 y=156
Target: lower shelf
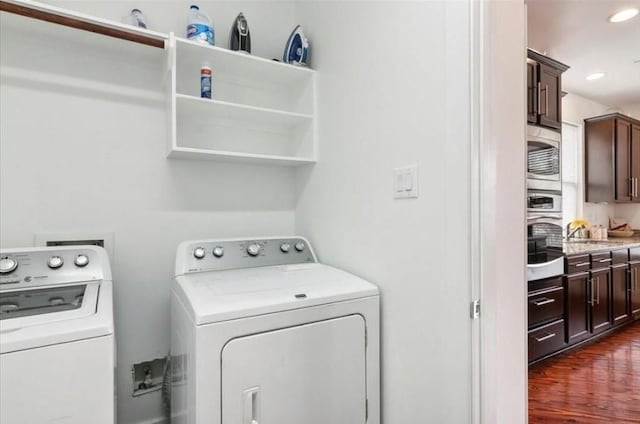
x=203 y=154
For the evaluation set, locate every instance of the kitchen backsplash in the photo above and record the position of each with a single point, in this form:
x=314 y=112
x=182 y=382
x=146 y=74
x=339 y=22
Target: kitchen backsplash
x=631 y=212
x=598 y=213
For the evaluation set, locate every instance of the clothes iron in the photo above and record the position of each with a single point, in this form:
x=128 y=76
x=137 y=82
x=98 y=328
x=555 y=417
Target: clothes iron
x=239 y=37
x=296 y=51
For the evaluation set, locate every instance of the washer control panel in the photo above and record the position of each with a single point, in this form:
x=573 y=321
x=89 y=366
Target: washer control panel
x=218 y=255
x=22 y=268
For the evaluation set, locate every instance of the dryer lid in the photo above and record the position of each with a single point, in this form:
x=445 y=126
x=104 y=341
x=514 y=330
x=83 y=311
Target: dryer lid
x=224 y=295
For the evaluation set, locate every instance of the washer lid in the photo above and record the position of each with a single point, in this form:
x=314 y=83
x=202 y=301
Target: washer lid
x=225 y=295
x=34 y=324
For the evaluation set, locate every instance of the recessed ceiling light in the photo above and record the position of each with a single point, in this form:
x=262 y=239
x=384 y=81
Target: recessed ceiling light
x=595 y=76
x=623 y=15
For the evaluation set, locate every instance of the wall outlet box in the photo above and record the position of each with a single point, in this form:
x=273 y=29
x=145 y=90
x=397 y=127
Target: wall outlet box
x=148 y=376
x=405 y=182
x=77 y=239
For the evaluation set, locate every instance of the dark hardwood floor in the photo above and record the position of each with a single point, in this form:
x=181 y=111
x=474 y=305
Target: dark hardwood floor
x=598 y=383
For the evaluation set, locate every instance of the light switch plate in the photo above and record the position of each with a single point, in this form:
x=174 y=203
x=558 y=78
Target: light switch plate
x=405 y=182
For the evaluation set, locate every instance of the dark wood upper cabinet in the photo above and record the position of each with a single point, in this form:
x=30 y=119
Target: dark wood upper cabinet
x=532 y=92
x=544 y=90
x=550 y=96
x=612 y=159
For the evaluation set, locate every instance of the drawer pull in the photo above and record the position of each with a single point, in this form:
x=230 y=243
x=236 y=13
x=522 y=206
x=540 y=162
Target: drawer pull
x=544 y=301
x=604 y=260
x=545 y=337
x=581 y=264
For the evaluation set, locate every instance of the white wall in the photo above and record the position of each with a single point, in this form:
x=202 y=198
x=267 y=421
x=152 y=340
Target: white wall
x=633 y=110
x=76 y=157
x=383 y=105
x=393 y=90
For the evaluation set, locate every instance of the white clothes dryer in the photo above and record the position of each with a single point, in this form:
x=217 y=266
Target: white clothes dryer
x=57 y=350
x=264 y=334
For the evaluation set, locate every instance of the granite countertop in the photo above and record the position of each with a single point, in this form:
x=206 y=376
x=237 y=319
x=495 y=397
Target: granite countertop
x=576 y=247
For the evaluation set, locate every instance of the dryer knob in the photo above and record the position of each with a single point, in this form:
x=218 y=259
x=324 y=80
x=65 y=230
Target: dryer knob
x=81 y=261
x=284 y=247
x=218 y=251
x=300 y=246
x=55 y=262
x=253 y=249
x=199 y=253
x=7 y=265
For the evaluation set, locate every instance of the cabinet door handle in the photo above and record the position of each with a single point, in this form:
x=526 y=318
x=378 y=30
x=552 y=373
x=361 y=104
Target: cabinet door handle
x=605 y=260
x=598 y=290
x=546 y=100
x=539 y=95
x=543 y=301
x=545 y=337
x=581 y=264
x=636 y=187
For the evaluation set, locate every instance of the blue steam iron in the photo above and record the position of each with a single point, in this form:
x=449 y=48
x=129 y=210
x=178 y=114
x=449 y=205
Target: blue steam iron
x=296 y=51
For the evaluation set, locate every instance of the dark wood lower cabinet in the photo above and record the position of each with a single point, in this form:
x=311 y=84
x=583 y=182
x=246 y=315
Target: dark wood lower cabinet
x=620 y=294
x=600 y=300
x=634 y=289
x=577 y=311
x=599 y=292
x=546 y=339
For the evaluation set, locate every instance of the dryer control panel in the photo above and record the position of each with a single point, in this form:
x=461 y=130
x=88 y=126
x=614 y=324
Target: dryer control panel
x=219 y=255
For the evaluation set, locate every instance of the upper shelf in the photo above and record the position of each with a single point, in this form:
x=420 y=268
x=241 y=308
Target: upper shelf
x=83 y=22
x=191 y=55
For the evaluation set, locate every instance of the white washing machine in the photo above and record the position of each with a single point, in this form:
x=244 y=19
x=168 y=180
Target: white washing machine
x=264 y=334
x=57 y=351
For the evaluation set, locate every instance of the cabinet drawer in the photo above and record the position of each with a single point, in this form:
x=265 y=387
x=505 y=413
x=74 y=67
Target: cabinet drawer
x=620 y=257
x=577 y=264
x=542 y=285
x=601 y=260
x=546 y=339
x=545 y=305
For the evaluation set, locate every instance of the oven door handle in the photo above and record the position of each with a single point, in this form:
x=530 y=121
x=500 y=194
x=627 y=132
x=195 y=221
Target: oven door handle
x=531 y=218
x=543 y=264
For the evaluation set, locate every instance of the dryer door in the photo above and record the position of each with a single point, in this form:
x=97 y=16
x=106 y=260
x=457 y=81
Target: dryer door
x=311 y=374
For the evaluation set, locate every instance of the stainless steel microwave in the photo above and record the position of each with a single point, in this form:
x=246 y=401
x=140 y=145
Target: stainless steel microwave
x=544 y=161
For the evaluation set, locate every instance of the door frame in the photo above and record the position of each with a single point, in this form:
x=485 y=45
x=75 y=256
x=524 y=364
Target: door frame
x=498 y=211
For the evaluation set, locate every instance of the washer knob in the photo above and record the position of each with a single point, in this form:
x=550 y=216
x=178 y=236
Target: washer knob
x=300 y=246
x=55 y=262
x=218 y=251
x=199 y=253
x=284 y=247
x=7 y=265
x=81 y=261
x=253 y=249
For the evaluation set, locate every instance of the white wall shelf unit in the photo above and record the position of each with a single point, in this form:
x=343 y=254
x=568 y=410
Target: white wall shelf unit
x=261 y=111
